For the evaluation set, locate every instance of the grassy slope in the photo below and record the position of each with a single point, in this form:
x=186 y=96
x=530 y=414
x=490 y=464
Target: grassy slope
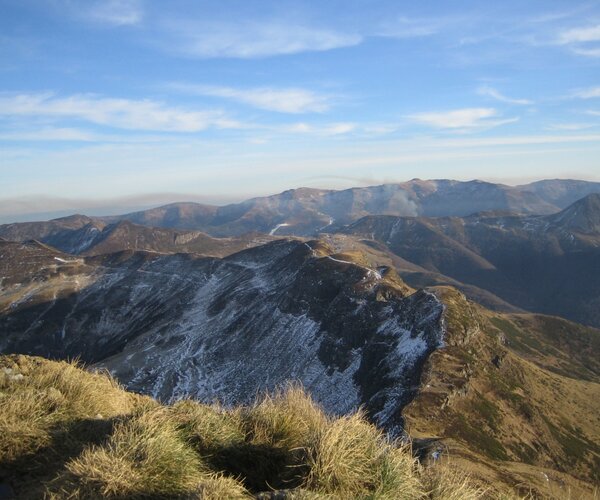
x=68 y=433
x=517 y=397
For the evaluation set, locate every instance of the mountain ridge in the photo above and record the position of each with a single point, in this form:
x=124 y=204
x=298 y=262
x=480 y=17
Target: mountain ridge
x=311 y=314
x=308 y=211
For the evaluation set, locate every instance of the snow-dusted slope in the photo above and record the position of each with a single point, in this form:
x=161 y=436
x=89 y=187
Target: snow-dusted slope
x=225 y=329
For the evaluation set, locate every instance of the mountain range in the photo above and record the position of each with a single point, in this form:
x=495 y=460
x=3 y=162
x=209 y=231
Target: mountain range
x=456 y=376
x=309 y=211
x=526 y=251
x=306 y=211
x=433 y=305
x=548 y=263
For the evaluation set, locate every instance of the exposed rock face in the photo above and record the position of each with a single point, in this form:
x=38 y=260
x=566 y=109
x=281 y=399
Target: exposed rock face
x=224 y=329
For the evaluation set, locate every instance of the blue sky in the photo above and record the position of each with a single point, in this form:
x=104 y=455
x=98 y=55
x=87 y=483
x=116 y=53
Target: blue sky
x=120 y=103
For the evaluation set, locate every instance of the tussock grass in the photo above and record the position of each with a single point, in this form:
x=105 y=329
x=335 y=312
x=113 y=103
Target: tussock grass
x=144 y=457
x=351 y=455
x=38 y=398
x=288 y=418
x=449 y=483
x=208 y=428
x=67 y=433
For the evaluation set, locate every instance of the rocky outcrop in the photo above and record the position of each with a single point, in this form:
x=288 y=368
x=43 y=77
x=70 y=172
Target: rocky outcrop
x=224 y=329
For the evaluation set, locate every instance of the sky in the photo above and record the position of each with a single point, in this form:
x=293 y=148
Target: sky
x=107 y=105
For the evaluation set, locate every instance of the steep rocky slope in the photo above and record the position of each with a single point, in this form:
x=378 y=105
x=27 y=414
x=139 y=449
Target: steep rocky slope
x=177 y=326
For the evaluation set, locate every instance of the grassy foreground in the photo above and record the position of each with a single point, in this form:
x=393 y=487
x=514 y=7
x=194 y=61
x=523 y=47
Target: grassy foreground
x=68 y=433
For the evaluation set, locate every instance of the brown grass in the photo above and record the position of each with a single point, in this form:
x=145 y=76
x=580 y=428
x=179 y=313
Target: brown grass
x=120 y=445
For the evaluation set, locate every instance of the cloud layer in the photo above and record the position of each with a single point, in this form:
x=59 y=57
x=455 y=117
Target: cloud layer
x=283 y=100
x=118 y=113
x=466 y=118
x=250 y=40
x=495 y=94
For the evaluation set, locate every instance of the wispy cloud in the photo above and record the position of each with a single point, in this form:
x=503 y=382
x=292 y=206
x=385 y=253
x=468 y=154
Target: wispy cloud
x=115 y=12
x=570 y=126
x=466 y=118
x=588 y=93
x=253 y=39
x=50 y=134
x=579 y=35
x=587 y=52
x=582 y=40
x=404 y=27
x=118 y=113
x=329 y=129
x=592 y=112
x=495 y=94
x=283 y=100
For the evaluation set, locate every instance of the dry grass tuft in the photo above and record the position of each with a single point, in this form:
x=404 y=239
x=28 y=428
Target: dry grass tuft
x=351 y=456
x=444 y=482
x=208 y=428
x=144 y=456
x=37 y=397
x=289 y=418
x=67 y=433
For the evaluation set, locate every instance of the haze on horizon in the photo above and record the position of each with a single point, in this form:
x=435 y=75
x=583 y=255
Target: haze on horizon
x=133 y=103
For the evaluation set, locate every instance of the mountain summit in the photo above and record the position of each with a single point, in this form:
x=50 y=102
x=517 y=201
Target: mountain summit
x=582 y=216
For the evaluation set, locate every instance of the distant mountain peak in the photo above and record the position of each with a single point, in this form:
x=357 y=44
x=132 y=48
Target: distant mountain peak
x=582 y=216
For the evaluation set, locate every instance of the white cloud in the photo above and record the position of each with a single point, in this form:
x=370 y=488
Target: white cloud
x=582 y=41
x=283 y=100
x=587 y=52
x=116 y=12
x=516 y=141
x=466 y=118
x=50 y=134
x=322 y=130
x=579 y=35
x=588 y=93
x=380 y=128
x=592 y=112
x=253 y=40
x=339 y=128
x=494 y=94
x=118 y=113
x=570 y=126
x=404 y=27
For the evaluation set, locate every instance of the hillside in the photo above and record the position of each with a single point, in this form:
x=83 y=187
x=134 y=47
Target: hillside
x=547 y=264
x=514 y=398
x=487 y=386
x=561 y=192
x=182 y=326
x=489 y=402
x=67 y=433
x=83 y=237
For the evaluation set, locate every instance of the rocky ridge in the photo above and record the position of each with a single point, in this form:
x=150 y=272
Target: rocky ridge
x=176 y=326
